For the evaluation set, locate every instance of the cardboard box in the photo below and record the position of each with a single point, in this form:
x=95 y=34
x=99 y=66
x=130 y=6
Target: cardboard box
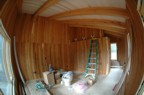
x=49 y=78
x=57 y=75
x=58 y=81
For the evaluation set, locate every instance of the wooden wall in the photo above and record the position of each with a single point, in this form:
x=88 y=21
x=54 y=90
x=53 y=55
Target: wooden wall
x=40 y=43
x=80 y=49
x=104 y=55
x=79 y=54
x=8 y=15
x=79 y=32
x=137 y=62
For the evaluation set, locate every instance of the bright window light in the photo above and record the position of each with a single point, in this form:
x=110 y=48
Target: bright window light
x=6 y=72
x=113 y=51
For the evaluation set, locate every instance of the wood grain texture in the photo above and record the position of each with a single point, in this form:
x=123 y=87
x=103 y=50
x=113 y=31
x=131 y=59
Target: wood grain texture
x=93 y=11
x=45 y=6
x=43 y=42
x=2 y=2
x=80 y=50
x=104 y=56
x=80 y=32
x=106 y=28
x=40 y=43
x=19 y=5
x=103 y=22
x=8 y=14
x=137 y=66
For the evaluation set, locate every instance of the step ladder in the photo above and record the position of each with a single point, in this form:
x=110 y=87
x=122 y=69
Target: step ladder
x=92 y=65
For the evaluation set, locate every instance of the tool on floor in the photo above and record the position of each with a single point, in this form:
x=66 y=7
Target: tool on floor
x=92 y=65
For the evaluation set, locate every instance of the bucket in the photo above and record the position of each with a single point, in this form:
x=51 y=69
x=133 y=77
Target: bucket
x=66 y=81
x=67 y=78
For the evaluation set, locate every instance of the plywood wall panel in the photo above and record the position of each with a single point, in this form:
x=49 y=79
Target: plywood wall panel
x=104 y=55
x=41 y=42
x=78 y=33
x=47 y=42
x=80 y=50
x=8 y=15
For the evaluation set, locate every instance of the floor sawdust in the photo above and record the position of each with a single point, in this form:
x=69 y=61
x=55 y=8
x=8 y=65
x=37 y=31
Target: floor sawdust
x=103 y=86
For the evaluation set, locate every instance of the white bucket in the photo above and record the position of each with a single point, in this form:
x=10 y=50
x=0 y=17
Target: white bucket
x=66 y=81
x=67 y=78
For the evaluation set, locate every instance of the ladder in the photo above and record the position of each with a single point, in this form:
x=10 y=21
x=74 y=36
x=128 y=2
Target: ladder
x=92 y=65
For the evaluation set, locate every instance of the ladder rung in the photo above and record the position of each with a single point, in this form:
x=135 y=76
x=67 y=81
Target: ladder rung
x=91 y=69
x=93 y=53
x=92 y=58
x=92 y=63
x=90 y=74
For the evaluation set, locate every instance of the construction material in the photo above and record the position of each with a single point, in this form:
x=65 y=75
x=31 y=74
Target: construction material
x=91 y=68
x=49 y=78
x=58 y=81
x=57 y=75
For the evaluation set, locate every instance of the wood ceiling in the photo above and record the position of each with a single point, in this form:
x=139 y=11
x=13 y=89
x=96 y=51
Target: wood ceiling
x=107 y=15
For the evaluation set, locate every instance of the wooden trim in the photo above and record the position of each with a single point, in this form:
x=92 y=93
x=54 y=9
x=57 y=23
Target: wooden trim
x=111 y=29
x=111 y=34
x=110 y=11
x=137 y=66
x=45 y=6
x=103 y=22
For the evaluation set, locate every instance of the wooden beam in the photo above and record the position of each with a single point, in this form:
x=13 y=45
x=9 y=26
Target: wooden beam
x=103 y=22
x=110 y=29
x=111 y=34
x=110 y=11
x=46 y=5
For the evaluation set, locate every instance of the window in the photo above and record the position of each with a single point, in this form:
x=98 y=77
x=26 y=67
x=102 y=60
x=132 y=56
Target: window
x=6 y=73
x=113 y=51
